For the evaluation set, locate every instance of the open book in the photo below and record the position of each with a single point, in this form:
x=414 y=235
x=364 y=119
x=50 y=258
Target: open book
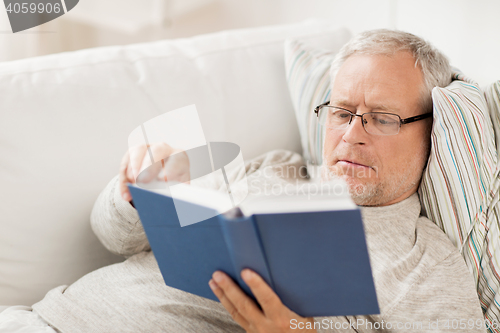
x=311 y=250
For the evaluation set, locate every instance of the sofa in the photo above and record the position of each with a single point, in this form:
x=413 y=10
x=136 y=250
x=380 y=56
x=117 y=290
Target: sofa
x=65 y=120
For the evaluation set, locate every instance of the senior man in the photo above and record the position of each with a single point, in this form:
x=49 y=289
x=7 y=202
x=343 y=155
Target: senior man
x=378 y=124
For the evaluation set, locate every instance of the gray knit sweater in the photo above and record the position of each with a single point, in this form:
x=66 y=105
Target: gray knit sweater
x=420 y=278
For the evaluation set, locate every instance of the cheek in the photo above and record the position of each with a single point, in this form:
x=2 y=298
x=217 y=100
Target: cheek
x=389 y=155
x=330 y=141
x=404 y=157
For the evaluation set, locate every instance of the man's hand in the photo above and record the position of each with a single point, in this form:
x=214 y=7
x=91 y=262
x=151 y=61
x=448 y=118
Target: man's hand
x=274 y=316
x=171 y=164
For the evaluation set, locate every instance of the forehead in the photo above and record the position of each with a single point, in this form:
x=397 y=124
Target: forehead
x=386 y=82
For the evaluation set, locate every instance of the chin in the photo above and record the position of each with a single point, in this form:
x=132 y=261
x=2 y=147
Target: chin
x=363 y=193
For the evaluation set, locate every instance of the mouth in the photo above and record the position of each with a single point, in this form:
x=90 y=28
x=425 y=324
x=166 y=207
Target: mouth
x=352 y=164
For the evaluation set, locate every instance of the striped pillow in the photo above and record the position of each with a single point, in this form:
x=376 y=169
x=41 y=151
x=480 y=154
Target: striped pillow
x=308 y=76
x=492 y=94
x=460 y=186
x=490 y=262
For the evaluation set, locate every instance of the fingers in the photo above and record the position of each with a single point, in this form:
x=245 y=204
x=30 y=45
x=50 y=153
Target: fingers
x=235 y=300
x=276 y=316
x=157 y=152
x=144 y=163
x=177 y=167
x=135 y=165
x=266 y=297
x=228 y=305
x=173 y=162
x=122 y=178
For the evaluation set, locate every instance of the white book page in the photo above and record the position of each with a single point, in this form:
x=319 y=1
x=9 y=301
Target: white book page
x=201 y=196
x=326 y=198
x=295 y=204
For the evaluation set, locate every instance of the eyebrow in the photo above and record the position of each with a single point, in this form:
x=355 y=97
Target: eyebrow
x=345 y=104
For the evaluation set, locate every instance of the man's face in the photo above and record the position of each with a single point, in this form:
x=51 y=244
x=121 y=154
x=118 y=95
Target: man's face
x=379 y=170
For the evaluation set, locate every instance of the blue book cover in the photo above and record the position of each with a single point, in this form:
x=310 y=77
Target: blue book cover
x=316 y=261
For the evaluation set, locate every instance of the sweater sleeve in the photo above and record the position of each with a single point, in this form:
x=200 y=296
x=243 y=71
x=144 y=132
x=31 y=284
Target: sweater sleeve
x=445 y=300
x=117 y=224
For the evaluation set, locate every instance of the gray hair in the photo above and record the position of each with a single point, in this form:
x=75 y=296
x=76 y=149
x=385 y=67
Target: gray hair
x=435 y=67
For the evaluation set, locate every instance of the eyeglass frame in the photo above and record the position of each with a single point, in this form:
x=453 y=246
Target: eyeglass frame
x=401 y=121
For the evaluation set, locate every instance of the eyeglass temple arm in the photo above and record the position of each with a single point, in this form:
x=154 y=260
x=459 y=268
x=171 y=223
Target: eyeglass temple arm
x=416 y=118
x=316 y=109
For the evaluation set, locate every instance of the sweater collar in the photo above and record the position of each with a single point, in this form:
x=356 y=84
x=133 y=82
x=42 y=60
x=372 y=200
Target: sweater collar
x=396 y=222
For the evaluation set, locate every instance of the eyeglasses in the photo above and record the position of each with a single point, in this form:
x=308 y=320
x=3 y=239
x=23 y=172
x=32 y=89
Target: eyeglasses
x=377 y=123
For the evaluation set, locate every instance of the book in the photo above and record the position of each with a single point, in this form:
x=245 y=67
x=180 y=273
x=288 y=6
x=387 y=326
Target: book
x=311 y=251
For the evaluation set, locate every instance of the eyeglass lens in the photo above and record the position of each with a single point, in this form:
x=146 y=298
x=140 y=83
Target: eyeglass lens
x=373 y=122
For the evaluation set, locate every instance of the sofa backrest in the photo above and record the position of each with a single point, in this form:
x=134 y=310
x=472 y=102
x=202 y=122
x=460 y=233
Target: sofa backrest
x=65 y=120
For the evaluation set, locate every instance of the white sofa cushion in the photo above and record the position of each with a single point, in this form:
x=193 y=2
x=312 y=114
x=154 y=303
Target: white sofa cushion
x=65 y=120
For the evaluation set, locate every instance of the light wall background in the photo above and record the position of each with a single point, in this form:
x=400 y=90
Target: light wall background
x=467 y=31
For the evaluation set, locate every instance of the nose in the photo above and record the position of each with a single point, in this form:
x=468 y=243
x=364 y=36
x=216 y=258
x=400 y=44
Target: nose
x=355 y=132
